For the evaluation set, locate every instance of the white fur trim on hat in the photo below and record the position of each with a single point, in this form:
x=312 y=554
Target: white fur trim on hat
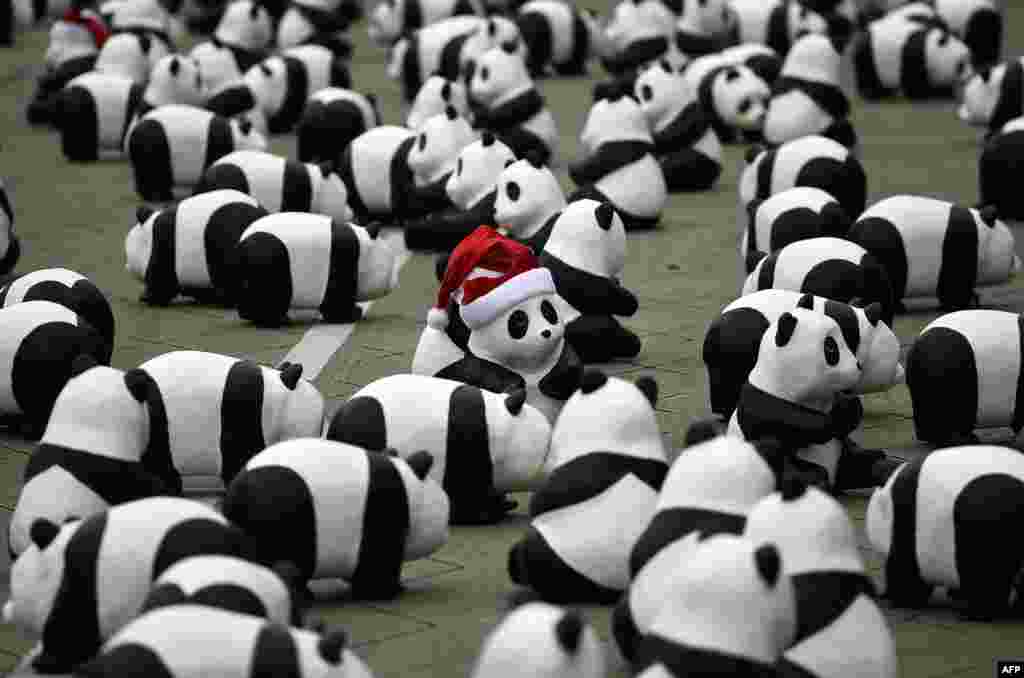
x=485 y=309
x=437 y=318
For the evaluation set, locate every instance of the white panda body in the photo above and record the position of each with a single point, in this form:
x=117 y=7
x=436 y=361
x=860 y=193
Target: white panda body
x=793 y=115
x=372 y=167
x=796 y=260
x=528 y=196
x=130 y=56
x=113 y=98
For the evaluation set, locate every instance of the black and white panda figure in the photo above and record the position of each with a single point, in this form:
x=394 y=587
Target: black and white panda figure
x=77 y=584
x=778 y=24
x=507 y=102
x=807 y=98
x=834 y=268
x=462 y=53
x=93 y=113
x=128 y=55
x=638 y=32
x=993 y=96
x=245 y=31
x=1001 y=155
x=898 y=56
x=171 y=146
x=65 y=287
x=709 y=489
x=220 y=411
x=764 y=61
x=331 y=119
x=729 y=582
x=618 y=164
x=435 y=96
x=320 y=22
x=937 y=249
x=173 y=80
x=734 y=95
x=685 y=142
x=279 y=184
x=340 y=511
x=409 y=413
x=979 y=23
x=418 y=56
x=705 y=28
x=10 y=245
x=835 y=596
x=190 y=641
x=190 y=247
x=930 y=523
x=788 y=216
x=234 y=584
x=558 y=36
x=41 y=340
x=149 y=18
x=528 y=198
x=294 y=260
x=541 y=639
x=813 y=161
x=434 y=156
x=600 y=492
x=389 y=21
x=90 y=455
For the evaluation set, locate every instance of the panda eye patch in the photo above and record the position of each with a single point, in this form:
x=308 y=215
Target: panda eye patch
x=831 y=352
x=512 y=189
x=943 y=40
x=422 y=143
x=745 y=106
x=646 y=92
x=485 y=73
x=458 y=166
x=518 y=323
x=547 y=309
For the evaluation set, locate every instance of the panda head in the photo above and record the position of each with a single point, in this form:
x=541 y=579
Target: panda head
x=635 y=21
x=880 y=515
x=499 y=74
x=803 y=359
x=543 y=640
x=126 y=55
x=387 y=22
x=477 y=170
x=245 y=135
x=712 y=18
x=614 y=119
x=438 y=143
x=37 y=576
x=589 y=236
x=303 y=413
x=526 y=335
x=625 y=409
x=523 y=438
x=436 y=95
x=245 y=24
x=71 y=39
x=528 y=193
x=175 y=80
x=662 y=93
x=428 y=505
x=947 y=59
x=217 y=64
x=998 y=258
x=330 y=197
x=497 y=32
x=737 y=97
x=268 y=82
x=878 y=351
x=983 y=92
x=734 y=596
x=801 y=20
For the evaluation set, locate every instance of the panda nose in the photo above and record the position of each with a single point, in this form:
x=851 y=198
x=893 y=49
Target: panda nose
x=546 y=334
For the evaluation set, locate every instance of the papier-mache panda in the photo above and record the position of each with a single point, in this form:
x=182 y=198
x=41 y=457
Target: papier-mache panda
x=320 y=22
x=93 y=113
x=435 y=96
x=296 y=260
x=936 y=248
x=173 y=80
x=246 y=30
x=77 y=584
x=529 y=196
x=993 y=96
x=416 y=57
x=190 y=640
x=65 y=287
x=90 y=455
x=484 y=444
x=1000 y=158
x=685 y=141
x=618 y=164
x=639 y=32
x=340 y=511
x=432 y=159
x=777 y=23
x=794 y=214
x=764 y=61
x=389 y=21
x=559 y=36
x=461 y=55
x=813 y=161
x=189 y=248
x=279 y=184
x=9 y=242
x=895 y=55
x=331 y=119
x=127 y=55
x=979 y=23
x=933 y=521
x=600 y=492
x=734 y=95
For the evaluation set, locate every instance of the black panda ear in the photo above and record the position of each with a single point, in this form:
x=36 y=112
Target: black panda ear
x=326 y=167
x=806 y=301
x=665 y=65
x=82 y=363
x=175 y=66
x=515 y=400
x=569 y=631
x=487 y=139
x=989 y=214
x=604 y=214
x=510 y=46
x=509 y=162
x=702 y=430
x=873 y=311
x=332 y=646
x=421 y=462
x=784 y=332
x=43 y=532
x=533 y=157
x=265 y=69
x=984 y=74
x=145 y=43
x=521 y=597
x=143 y=212
x=245 y=125
x=731 y=74
x=769 y=563
x=752 y=153
x=754 y=257
x=834 y=219
x=649 y=388
x=592 y=380
x=793 y=487
x=450 y=113
x=492 y=28
x=138 y=383
x=446 y=91
x=290 y=376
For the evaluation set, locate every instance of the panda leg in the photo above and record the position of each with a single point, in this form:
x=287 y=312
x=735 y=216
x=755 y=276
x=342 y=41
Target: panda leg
x=383 y=581
x=342 y=315
x=78 y=121
x=601 y=339
x=859 y=468
x=907 y=591
x=688 y=170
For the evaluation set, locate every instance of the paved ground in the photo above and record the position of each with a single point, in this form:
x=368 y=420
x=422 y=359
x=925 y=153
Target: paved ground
x=76 y=217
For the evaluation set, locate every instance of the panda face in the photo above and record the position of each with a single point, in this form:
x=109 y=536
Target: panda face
x=878 y=519
x=618 y=120
x=524 y=337
x=437 y=147
x=998 y=259
x=37 y=577
x=434 y=97
x=138 y=247
x=661 y=91
x=980 y=96
x=741 y=98
x=498 y=32
x=527 y=196
x=801 y=20
x=127 y=55
x=175 y=80
x=477 y=170
x=268 y=81
x=246 y=137
x=949 y=59
x=245 y=24
x=385 y=24
x=498 y=75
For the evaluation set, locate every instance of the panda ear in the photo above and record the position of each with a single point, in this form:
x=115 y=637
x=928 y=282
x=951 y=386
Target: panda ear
x=786 y=327
x=873 y=311
x=702 y=430
x=793 y=487
x=835 y=219
x=332 y=646
x=665 y=65
x=421 y=462
x=752 y=153
x=649 y=388
x=769 y=563
x=984 y=74
x=592 y=380
x=145 y=43
x=515 y=400
x=143 y=212
x=138 y=383
x=989 y=214
x=806 y=301
x=290 y=376
x=604 y=214
x=245 y=125
x=265 y=69
x=510 y=46
x=533 y=157
x=569 y=631
x=450 y=113
x=43 y=532
x=446 y=91
x=731 y=74
x=83 y=363
x=175 y=66
x=487 y=139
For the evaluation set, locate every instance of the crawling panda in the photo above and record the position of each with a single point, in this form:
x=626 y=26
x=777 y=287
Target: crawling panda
x=170 y=147
x=685 y=141
x=61 y=584
x=734 y=95
x=776 y=23
x=294 y=260
x=10 y=245
x=618 y=166
x=331 y=119
x=793 y=214
x=173 y=80
x=413 y=59
x=933 y=521
x=1000 y=158
x=994 y=96
x=528 y=198
x=895 y=55
x=65 y=287
x=484 y=444
x=813 y=161
x=279 y=184
x=435 y=96
x=434 y=156
x=90 y=455
x=389 y=21
x=558 y=35
x=191 y=641
x=340 y=511
x=92 y=114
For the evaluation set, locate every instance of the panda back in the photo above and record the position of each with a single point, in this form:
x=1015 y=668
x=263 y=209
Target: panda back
x=17 y=323
x=227 y=583
x=376 y=164
x=887 y=41
x=25 y=288
x=114 y=99
x=861 y=628
x=207 y=228
x=195 y=137
x=560 y=19
x=307 y=240
x=797 y=261
x=792 y=158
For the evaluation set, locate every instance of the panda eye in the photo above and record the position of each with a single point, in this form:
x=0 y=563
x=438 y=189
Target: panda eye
x=518 y=323
x=458 y=166
x=422 y=143
x=803 y=13
x=485 y=73
x=547 y=309
x=646 y=92
x=960 y=67
x=745 y=106
x=512 y=189
x=831 y=352
x=943 y=40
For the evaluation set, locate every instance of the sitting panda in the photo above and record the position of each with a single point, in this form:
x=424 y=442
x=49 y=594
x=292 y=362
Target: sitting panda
x=463 y=53
x=244 y=33
x=776 y=23
x=389 y=21
x=173 y=80
x=331 y=119
x=733 y=95
x=993 y=97
x=413 y=59
x=434 y=156
x=437 y=94
x=639 y=32
x=559 y=36
x=93 y=114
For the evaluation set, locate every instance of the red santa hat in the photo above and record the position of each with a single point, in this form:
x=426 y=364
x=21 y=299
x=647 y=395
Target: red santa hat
x=487 y=274
x=90 y=22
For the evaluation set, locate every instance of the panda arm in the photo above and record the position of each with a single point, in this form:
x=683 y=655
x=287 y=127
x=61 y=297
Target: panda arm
x=607 y=158
x=684 y=131
x=513 y=113
x=846 y=415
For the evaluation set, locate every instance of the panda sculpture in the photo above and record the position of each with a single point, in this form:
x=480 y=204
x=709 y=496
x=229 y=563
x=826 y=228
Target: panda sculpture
x=764 y=61
x=279 y=184
x=559 y=36
x=793 y=214
x=434 y=156
x=65 y=287
x=389 y=21
x=92 y=114
x=462 y=54
x=170 y=147
x=322 y=22
x=129 y=55
x=144 y=18
x=776 y=23
x=60 y=584
x=331 y=119
x=638 y=32
x=484 y=444
x=528 y=198
x=600 y=492
x=734 y=95
x=993 y=96
x=618 y=165
x=897 y=56
x=1000 y=158
x=685 y=142
x=339 y=511
x=245 y=31
x=705 y=28
x=435 y=95
x=91 y=454
x=41 y=340
x=173 y=80
x=979 y=23
x=931 y=523
x=10 y=245
x=191 y=641
x=508 y=103
x=190 y=248
x=808 y=161
x=418 y=56
x=294 y=260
